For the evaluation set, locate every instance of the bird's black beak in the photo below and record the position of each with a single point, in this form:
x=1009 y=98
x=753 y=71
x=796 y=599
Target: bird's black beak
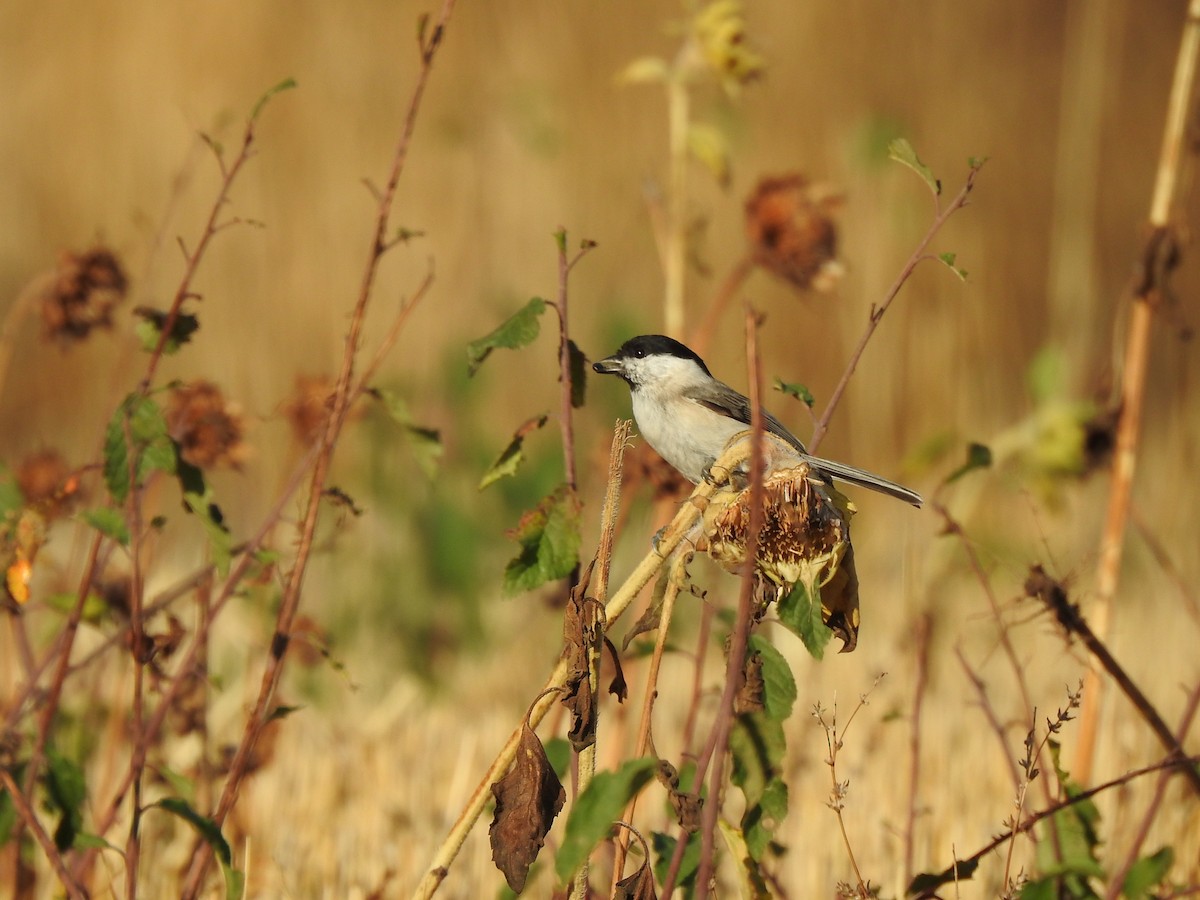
x=611 y=365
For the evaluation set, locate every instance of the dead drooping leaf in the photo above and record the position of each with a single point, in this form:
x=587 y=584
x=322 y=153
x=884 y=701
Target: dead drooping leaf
x=652 y=615
x=750 y=695
x=583 y=629
x=638 y=886
x=618 y=685
x=686 y=806
x=528 y=798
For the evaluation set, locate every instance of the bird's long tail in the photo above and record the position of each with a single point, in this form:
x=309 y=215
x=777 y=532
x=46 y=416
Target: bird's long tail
x=865 y=479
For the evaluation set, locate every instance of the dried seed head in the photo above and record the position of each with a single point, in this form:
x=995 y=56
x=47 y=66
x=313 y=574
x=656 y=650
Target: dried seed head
x=805 y=537
x=82 y=294
x=47 y=482
x=308 y=406
x=207 y=428
x=720 y=31
x=791 y=231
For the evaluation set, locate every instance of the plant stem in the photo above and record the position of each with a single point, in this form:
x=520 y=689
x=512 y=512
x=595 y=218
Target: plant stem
x=678 y=111
x=1156 y=268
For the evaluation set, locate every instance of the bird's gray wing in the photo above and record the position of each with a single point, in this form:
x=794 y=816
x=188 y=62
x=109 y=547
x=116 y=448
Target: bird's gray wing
x=722 y=399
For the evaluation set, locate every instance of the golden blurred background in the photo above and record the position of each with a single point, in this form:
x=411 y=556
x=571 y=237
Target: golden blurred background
x=527 y=128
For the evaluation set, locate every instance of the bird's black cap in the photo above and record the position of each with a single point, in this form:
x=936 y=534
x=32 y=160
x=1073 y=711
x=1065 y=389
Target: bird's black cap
x=658 y=344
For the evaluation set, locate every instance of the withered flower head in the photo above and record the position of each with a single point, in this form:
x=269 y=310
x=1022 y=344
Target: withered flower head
x=82 y=294
x=790 y=227
x=207 y=428
x=805 y=538
x=47 y=482
x=720 y=30
x=308 y=406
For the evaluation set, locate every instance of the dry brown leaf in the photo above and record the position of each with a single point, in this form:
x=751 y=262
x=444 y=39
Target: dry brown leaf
x=638 y=886
x=528 y=798
x=583 y=629
x=750 y=695
x=686 y=806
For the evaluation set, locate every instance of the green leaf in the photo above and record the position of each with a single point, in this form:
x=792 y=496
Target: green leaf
x=902 y=152
x=760 y=821
x=797 y=390
x=282 y=712
x=560 y=241
x=518 y=330
x=979 y=456
x=66 y=792
x=220 y=541
x=94 y=606
x=577 y=368
x=558 y=751
x=425 y=443
x=709 y=147
x=513 y=455
x=549 y=536
x=1147 y=873
x=595 y=810
x=148 y=441
x=1071 y=856
x=149 y=330
x=109 y=522
x=664 y=849
x=85 y=841
x=976 y=162
x=948 y=260
x=646 y=70
x=8 y=812
x=756 y=745
x=800 y=613
x=11 y=498
x=235 y=881
x=780 y=684
x=286 y=85
x=751 y=885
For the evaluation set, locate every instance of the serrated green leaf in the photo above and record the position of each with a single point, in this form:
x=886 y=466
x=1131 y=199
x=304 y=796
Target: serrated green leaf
x=66 y=791
x=645 y=70
x=979 y=456
x=286 y=85
x=210 y=832
x=1147 y=873
x=208 y=514
x=756 y=745
x=513 y=455
x=518 y=330
x=902 y=152
x=759 y=822
x=148 y=441
x=577 y=367
x=149 y=330
x=797 y=390
x=549 y=536
x=750 y=880
x=109 y=522
x=778 y=681
x=708 y=146
x=800 y=613
x=597 y=807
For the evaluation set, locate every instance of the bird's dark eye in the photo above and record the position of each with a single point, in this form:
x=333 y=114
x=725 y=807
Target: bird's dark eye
x=639 y=353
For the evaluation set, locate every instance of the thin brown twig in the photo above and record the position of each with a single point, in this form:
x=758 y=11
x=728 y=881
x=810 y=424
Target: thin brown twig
x=343 y=396
x=1117 y=883
x=877 y=311
x=1160 y=256
x=966 y=865
x=922 y=638
x=29 y=818
x=735 y=671
x=989 y=713
x=703 y=333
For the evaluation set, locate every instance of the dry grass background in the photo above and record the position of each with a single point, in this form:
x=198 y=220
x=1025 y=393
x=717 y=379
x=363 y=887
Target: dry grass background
x=525 y=129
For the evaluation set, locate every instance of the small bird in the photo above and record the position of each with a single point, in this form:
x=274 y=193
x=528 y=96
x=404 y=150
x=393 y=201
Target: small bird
x=688 y=416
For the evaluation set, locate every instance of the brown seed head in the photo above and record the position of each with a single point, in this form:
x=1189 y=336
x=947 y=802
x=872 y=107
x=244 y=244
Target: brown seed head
x=791 y=231
x=82 y=294
x=207 y=428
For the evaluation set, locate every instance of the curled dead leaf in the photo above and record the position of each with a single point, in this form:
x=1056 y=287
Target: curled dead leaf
x=528 y=798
